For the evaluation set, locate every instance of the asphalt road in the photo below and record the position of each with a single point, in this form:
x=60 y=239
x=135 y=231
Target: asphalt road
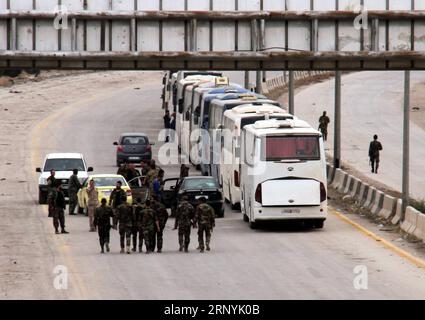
x=372 y=103
x=283 y=263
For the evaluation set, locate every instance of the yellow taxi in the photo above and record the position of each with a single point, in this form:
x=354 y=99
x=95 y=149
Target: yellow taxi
x=105 y=184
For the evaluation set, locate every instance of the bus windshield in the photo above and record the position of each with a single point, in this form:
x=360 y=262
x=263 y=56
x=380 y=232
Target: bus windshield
x=291 y=148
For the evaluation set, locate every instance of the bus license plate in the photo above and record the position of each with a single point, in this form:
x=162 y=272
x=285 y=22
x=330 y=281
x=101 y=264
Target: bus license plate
x=291 y=211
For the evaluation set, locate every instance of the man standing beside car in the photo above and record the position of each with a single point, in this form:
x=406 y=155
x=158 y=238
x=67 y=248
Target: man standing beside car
x=205 y=221
x=74 y=186
x=59 y=212
x=92 y=203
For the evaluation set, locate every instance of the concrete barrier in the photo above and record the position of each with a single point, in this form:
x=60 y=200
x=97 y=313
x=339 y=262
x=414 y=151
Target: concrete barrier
x=410 y=220
x=420 y=227
x=362 y=195
x=388 y=207
x=370 y=198
x=377 y=203
x=349 y=184
x=356 y=188
x=342 y=185
x=396 y=219
x=338 y=179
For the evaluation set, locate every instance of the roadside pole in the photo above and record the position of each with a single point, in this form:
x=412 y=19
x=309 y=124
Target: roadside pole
x=337 y=133
x=406 y=144
x=247 y=80
x=291 y=94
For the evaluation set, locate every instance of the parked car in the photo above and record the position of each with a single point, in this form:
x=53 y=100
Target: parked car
x=63 y=164
x=133 y=148
x=105 y=184
x=195 y=188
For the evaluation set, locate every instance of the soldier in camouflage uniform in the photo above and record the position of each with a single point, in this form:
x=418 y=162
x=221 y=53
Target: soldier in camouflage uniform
x=151 y=176
x=102 y=220
x=150 y=224
x=124 y=215
x=205 y=220
x=162 y=217
x=137 y=227
x=185 y=215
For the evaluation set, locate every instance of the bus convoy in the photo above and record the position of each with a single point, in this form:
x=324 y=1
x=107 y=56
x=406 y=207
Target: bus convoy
x=269 y=163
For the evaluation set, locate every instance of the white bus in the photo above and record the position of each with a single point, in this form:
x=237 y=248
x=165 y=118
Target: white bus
x=191 y=98
x=233 y=122
x=184 y=100
x=216 y=112
x=283 y=176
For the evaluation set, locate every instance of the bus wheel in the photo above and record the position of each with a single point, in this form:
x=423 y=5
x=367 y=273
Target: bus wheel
x=245 y=218
x=319 y=224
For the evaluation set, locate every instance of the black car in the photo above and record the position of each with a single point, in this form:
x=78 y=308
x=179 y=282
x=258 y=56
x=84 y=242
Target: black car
x=195 y=188
x=133 y=148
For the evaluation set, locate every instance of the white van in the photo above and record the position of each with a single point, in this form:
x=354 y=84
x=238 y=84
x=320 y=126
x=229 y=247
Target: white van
x=283 y=176
x=63 y=164
x=233 y=122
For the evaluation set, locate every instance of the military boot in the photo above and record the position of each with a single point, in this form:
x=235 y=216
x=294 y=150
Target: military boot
x=134 y=249
x=181 y=249
x=208 y=247
x=186 y=249
x=128 y=250
x=122 y=250
x=140 y=249
x=107 y=247
x=102 y=250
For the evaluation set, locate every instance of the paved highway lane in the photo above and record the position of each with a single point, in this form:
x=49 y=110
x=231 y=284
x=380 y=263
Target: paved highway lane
x=244 y=264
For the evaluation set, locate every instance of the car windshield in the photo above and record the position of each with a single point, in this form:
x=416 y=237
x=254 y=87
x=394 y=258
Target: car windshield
x=292 y=148
x=108 y=181
x=134 y=141
x=198 y=184
x=64 y=165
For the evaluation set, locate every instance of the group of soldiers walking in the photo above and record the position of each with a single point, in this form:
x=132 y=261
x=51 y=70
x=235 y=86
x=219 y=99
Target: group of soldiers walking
x=138 y=224
x=144 y=223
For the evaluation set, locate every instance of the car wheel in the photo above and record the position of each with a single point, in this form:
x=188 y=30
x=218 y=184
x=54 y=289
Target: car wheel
x=319 y=224
x=245 y=218
x=42 y=198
